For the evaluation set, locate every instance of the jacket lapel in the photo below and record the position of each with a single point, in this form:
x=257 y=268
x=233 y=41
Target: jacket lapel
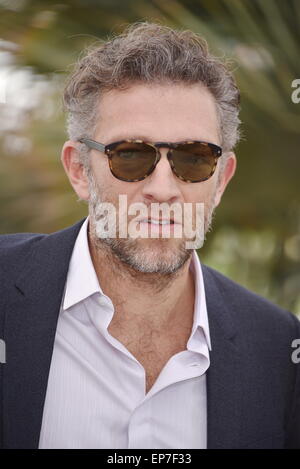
x=224 y=376
x=30 y=328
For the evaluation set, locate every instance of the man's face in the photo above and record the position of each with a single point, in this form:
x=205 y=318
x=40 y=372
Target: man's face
x=153 y=113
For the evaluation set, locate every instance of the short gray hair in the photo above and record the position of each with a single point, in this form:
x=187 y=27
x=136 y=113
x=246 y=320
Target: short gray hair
x=148 y=53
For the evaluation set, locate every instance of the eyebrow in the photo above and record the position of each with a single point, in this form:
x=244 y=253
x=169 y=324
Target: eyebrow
x=131 y=137
x=148 y=139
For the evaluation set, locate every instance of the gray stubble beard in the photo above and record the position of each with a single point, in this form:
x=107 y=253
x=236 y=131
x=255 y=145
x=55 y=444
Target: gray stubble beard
x=143 y=259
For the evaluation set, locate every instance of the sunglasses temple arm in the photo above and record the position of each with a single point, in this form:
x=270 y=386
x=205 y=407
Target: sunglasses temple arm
x=93 y=144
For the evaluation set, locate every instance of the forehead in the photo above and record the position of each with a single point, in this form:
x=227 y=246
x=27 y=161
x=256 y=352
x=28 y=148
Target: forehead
x=173 y=112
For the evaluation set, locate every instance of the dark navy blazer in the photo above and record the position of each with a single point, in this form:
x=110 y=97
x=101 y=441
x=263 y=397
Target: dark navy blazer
x=253 y=386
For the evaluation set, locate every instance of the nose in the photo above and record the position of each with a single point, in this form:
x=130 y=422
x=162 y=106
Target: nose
x=162 y=185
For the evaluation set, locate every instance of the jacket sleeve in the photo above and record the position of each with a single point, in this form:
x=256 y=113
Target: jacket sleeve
x=293 y=429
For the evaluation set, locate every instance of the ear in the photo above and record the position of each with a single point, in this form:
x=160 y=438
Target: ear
x=74 y=169
x=225 y=175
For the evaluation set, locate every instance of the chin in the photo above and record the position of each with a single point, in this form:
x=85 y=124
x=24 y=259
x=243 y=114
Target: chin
x=161 y=256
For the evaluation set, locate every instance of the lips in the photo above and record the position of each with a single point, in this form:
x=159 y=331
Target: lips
x=154 y=221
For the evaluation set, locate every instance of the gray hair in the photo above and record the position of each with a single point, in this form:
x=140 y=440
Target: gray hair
x=148 y=53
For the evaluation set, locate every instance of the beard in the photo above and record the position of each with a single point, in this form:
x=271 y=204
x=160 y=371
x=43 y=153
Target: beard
x=164 y=256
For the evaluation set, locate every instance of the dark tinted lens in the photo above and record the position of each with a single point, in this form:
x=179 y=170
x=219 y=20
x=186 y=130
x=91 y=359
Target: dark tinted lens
x=132 y=161
x=194 y=162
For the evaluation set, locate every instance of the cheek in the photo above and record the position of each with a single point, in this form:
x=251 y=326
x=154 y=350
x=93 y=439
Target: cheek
x=200 y=192
x=102 y=174
x=110 y=187
x=99 y=164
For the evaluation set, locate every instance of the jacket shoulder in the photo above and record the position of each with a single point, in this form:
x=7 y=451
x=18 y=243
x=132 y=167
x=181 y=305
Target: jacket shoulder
x=17 y=244
x=14 y=248
x=18 y=240
x=249 y=306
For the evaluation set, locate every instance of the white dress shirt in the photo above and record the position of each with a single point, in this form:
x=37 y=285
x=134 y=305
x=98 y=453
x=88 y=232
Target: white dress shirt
x=96 y=389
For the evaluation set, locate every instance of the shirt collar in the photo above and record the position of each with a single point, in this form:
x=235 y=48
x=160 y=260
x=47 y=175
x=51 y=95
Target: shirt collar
x=82 y=281
x=200 y=309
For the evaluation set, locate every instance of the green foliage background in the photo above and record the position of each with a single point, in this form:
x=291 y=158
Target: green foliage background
x=256 y=236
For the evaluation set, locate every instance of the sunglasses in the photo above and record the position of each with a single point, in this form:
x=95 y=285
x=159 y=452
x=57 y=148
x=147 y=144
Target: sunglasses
x=134 y=160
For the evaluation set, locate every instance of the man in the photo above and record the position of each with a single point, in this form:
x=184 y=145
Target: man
x=128 y=341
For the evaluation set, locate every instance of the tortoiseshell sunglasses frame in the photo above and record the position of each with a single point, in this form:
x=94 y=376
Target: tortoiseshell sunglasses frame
x=108 y=151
